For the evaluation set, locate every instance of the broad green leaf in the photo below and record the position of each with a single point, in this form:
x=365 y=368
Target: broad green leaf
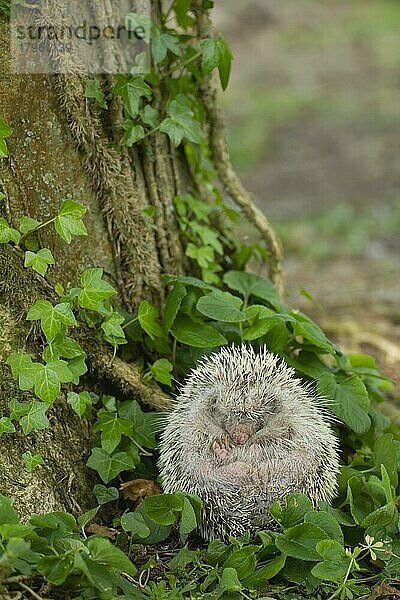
x=243 y=561
x=147 y=315
x=69 y=220
x=350 y=401
x=300 y=541
x=225 y=61
x=161 y=43
x=383 y=516
x=335 y=564
x=132 y=89
x=7 y=233
x=172 y=305
x=150 y=117
x=198 y=335
x=181 y=122
x=27 y=224
x=88 y=516
x=188 y=281
x=158 y=533
x=188 y=520
x=209 y=54
x=79 y=402
x=183 y=558
x=113 y=331
x=77 y=367
x=32 y=460
x=327 y=523
x=134 y=523
x=384 y=453
x=23 y=368
x=311 y=333
x=49 y=380
x=6 y=426
x=146 y=424
x=291 y=510
x=95 y=289
x=249 y=284
x=7 y=514
x=63 y=312
x=105 y=494
x=44 y=311
x=221 y=306
x=163 y=508
x=112 y=428
x=93 y=90
x=261 y=576
x=181 y=8
x=108 y=466
x=56 y=568
x=161 y=371
x=229 y=581
x=35 y=417
x=39 y=261
x=133 y=134
x=66 y=347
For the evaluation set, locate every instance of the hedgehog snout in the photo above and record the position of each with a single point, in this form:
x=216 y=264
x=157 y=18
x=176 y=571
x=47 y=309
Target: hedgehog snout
x=241 y=432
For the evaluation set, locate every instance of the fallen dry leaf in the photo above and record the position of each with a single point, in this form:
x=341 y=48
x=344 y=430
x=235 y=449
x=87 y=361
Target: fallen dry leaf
x=381 y=590
x=138 y=489
x=102 y=530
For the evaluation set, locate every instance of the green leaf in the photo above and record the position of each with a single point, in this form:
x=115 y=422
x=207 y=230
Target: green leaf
x=112 y=429
x=181 y=122
x=172 y=305
x=243 y=561
x=221 y=306
x=383 y=516
x=181 y=8
x=261 y=576
x=140 y=24
x=93 y=90
x=311 y=333
x=23 y=368
x=77 y=367
x=49 y=379
x=5 y=129
x=27 y=224
x=7 y=233
x=105 y=553
x=63 y=313
x=35 y=417
x=65 y=346
x=69 y=220
x=229 y=581
x=188 y=520
x=384 y=453
x=163 y=508
x=132 y=89
x=88 y=516
x=147 y=315
x=225 y=61
x=145 y=424
x=134 y=523
x=6 y=426
x=113 y=331
x=39 y=261
x=95 y=289
x=291 y=511
x=161 y=43
x=300 y=541
x=150 y=117
x=249 y=284
x=335 y=564
x=56 y=568
x=327 y=523
x=198 y=335
x=133 y=134
x=7 y=514
x=350 y=401
x=104 y=494
x=161 y=371
x=108 y=466
x=32 y=460
x=79 y=402
x=49 y=320
x=209 y=54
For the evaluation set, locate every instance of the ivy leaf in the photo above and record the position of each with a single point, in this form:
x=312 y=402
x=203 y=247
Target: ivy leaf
x=5 y=132
x=8 y=515
x=79 y=402
x=113 y=331
x=26 y=224
x=132 y=89
x=350 y=401
x=7 y=233
x=163 y=508
x=140 y=24
x=133 y=134
x=35 y=417
x=172 y=305
x=180 y=122
x=181 y=8
x=23 y=368
x=49 y=379
x=209 y=54
x=6 y=426
x=63 y=313
x=65 y=346
x=221 y=306
x=104 y=552
x=43 y=310
x=163 y=42
x=150 y=115
x=104 y=494
x=39 y=261
x=190 y=333
x=146 y=424
x=147 y=315
x=69 y=220
x=77 y=367
x=161 y=371
x=112 y=428
x=95 y=289
x=93 y=90
x=108 y=466
x=32 y=460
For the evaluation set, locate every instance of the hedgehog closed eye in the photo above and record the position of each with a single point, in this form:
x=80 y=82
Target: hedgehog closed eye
x=265 y=435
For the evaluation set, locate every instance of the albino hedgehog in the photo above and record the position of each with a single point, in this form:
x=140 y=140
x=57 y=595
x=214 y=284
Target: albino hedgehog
x=245 y=432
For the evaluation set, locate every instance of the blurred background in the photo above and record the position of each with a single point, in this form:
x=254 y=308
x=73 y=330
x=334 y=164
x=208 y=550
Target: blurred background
x=313 y=122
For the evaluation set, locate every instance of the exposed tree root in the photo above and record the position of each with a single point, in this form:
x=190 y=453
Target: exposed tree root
x=227 y=175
